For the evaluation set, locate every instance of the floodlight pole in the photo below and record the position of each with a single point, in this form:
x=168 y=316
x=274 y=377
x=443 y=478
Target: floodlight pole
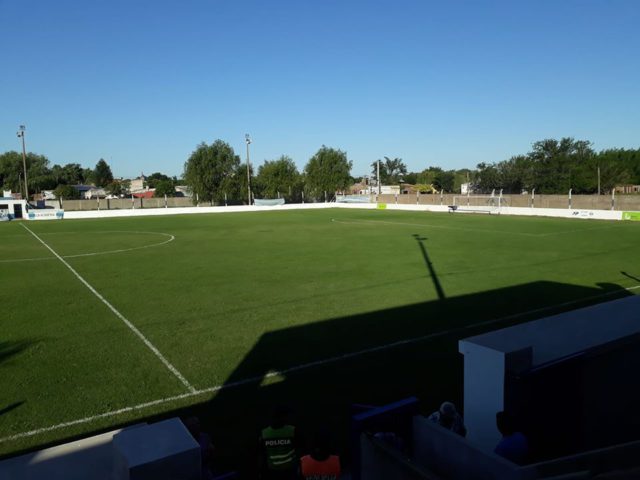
x=378 y=177
x=24 y=161
x=247 y=139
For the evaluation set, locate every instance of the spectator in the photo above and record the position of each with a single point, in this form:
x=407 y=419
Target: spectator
x=448 y=417
x=320 y=464
x=278 y=447
x=206 y=446
x=514 y=445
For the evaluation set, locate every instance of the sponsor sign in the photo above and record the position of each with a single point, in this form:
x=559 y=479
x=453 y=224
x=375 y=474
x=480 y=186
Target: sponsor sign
x=48 y=214
x=633 y=216
x=382 y=206
x=582 y=213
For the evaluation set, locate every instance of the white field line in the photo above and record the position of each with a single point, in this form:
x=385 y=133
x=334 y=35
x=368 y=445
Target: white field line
x=298 y=368
x=132 y=327
x=445 y=227
x=91 y=254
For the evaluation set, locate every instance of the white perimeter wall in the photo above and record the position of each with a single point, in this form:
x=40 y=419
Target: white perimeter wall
x=139 y=212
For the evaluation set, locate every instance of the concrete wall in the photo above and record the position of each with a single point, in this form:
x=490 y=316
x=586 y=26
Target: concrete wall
x=127 y=212
x=581 y=202
x=384 y=462
x=118 y=203
x=578 y=202
x=452 y=456
x=87 y=458
x=489 y=357
x=160 y=451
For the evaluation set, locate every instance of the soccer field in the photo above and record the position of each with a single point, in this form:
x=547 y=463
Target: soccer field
x=104 y=322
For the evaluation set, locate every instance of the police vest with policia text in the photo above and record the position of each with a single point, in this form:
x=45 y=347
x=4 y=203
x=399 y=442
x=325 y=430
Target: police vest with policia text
x=279 y=447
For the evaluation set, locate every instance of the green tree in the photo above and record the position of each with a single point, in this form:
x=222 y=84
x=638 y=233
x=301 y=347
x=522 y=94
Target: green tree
x=66 y=192
x=155 y=178
x=411 y=178
x=391 y=170
x=558 y=164
x=279 y=177
x=39 y=176
x=102 y=175
x=118 y=187
x=444 y=180
x=73 y=173
x=487 y=178
x=211 y=171
x=87 y=176
x=164 y=187
x=327 y=171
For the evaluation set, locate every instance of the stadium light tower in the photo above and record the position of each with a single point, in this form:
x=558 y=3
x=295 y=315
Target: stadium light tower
x=247 y=139
x=24 y=161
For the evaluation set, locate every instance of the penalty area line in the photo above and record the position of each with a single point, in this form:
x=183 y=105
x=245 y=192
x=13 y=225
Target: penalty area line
x=297 y=368
x=117 y=313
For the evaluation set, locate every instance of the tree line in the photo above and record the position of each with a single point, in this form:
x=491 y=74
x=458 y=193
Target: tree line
x=216 y=174
x=61 y=178
x=555 y=166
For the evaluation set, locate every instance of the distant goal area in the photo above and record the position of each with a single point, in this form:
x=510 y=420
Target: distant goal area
x=490 y=204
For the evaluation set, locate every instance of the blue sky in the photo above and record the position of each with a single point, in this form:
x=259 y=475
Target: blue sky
x=447 y=83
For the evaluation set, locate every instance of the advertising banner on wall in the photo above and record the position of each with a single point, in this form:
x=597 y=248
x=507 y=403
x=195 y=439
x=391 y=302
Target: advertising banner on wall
x=633 y=216
x=45 y=214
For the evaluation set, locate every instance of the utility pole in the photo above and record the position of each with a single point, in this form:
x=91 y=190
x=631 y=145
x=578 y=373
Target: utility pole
x=247 y=139
x=24 y=161
x=598 y=179
x=378 y=177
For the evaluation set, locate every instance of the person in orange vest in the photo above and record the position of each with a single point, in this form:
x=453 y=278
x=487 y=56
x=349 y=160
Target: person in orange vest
x=320 y=464
x=279 y=447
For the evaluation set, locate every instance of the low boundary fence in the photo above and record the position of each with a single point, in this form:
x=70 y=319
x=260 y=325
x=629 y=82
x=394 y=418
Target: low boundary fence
x=588 y=202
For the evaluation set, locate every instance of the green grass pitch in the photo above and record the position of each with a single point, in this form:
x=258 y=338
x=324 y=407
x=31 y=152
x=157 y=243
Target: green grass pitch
x=245 y=299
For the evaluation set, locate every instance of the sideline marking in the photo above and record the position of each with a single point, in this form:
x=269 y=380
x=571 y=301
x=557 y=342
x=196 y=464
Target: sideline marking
x=132 y=327
x=297 y=368
x=108 y=252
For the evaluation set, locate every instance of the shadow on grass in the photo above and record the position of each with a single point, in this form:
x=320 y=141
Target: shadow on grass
x=372 y=358
x=432 y=272
x=8 y=408
x=9 y=349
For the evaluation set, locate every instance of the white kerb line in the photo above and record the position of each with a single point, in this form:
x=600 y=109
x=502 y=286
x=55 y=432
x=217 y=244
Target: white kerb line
x=131 y=326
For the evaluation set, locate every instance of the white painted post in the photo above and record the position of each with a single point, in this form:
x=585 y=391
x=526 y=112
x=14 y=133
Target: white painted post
x=533 y=197
x=570 y=190
x=197 y=200
x=613 y=199
x=225 y=199
x=441 y=192
x=418 y=197
x=396 y=198
x=303 y=196
x=165 y=201
x=133 y=205
x=325 y=196
x=98 y=198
